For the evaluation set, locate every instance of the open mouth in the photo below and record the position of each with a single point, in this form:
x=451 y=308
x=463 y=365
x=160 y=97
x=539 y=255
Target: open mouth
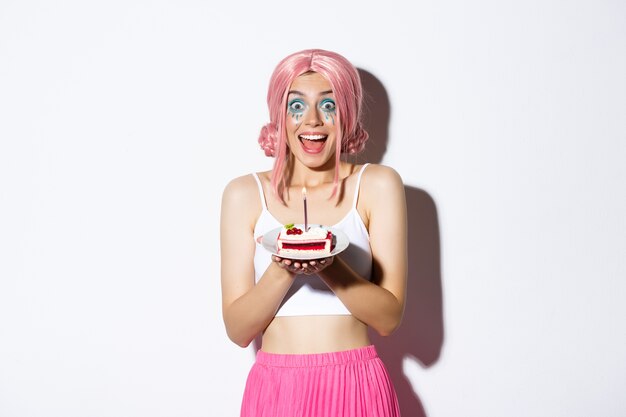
x=313 y=143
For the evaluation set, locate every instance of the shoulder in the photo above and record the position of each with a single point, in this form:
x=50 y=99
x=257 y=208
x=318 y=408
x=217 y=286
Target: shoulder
x=240 y=190
x=381 y=189
x=241 y=202
x=378 y=178
x=384 y=199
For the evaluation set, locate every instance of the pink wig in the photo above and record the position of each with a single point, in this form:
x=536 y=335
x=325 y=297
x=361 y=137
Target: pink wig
x=346 y=85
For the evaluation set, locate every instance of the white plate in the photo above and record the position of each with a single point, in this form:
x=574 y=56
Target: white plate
x=269 y=243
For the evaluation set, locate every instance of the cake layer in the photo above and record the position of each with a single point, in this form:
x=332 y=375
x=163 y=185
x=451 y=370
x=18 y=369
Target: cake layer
x=305 y=246
x=317 y=240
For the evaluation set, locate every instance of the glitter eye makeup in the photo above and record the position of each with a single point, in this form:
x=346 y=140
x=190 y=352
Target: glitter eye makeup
x=296 y=108
x=329 y=108
x=328 y=105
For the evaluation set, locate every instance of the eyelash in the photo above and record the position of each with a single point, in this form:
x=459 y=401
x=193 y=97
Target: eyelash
x=328 y=101
x=293 y=110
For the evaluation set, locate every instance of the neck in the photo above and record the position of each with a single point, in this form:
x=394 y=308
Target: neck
x=303 y=176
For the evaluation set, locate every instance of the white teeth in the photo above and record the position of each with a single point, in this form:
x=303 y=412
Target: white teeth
x=313 y=137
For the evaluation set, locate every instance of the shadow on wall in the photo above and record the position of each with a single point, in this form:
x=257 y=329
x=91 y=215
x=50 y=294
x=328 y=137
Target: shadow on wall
x=420 y=336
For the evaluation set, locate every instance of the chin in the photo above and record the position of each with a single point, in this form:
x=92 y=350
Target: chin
x=321 y=162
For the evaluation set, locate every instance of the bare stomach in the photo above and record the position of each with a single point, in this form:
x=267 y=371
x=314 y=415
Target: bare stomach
x=314 y=334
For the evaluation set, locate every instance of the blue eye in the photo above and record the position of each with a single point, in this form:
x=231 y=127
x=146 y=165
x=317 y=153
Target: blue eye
x=328 y=105
x=296 y=106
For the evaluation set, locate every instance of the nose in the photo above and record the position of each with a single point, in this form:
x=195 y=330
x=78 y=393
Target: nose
x=313 y=118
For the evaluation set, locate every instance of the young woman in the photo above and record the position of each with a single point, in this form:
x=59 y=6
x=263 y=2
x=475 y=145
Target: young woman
x=316 y=358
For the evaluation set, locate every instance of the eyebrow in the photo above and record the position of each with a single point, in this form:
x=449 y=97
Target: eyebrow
x=299 y=93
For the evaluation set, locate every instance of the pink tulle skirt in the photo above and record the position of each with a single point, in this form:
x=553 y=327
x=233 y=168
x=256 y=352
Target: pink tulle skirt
x=351 y=383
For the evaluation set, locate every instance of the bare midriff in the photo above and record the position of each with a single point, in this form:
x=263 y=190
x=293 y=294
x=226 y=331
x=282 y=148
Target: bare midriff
x=314 y=334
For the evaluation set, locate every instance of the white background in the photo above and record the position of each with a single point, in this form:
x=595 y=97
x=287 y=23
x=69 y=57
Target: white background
x=122 y=121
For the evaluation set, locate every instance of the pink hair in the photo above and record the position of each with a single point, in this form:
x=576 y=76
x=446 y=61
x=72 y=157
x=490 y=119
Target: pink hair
x=346 y=85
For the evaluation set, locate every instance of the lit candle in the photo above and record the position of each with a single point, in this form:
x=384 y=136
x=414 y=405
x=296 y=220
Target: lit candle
x=306 y=220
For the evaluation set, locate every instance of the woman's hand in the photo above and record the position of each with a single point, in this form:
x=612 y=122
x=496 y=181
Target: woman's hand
x=298 y=267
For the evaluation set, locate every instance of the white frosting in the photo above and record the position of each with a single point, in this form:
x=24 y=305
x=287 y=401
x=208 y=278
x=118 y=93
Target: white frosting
x=314 y=232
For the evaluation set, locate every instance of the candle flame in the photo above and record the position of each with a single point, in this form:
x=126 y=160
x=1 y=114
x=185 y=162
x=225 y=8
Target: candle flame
x=304 y=191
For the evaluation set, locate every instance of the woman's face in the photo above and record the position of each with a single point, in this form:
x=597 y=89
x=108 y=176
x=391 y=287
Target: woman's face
x=311 y=120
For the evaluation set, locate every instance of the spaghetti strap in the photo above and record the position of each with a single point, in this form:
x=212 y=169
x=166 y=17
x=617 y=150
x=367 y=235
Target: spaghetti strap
x=358 y=185
x=261 y=193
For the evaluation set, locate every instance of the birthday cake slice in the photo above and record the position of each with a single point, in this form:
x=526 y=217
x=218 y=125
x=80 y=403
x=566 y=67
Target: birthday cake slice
x=317 y=240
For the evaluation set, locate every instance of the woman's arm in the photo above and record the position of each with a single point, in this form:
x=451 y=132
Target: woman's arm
x=247 y=308
x=380 y=303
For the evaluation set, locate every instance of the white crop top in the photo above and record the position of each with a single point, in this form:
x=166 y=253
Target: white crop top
x=309 y=295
